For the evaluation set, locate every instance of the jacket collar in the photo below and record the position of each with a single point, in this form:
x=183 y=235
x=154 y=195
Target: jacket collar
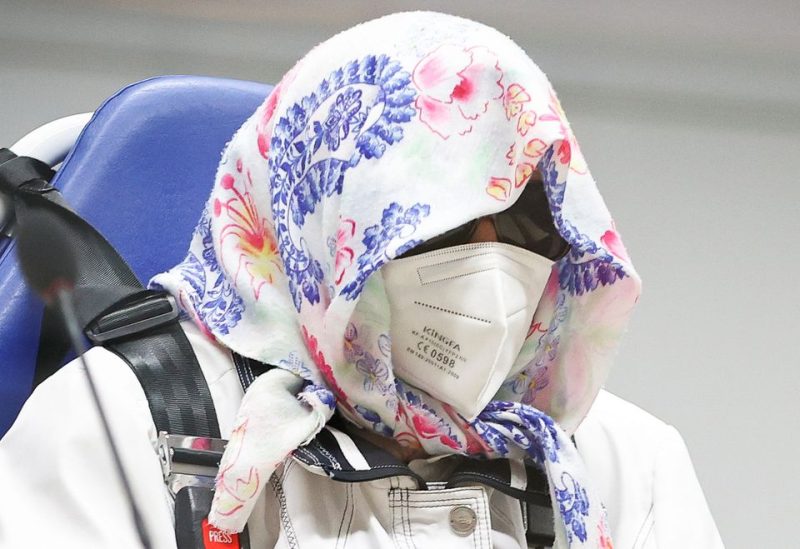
x=352 y=459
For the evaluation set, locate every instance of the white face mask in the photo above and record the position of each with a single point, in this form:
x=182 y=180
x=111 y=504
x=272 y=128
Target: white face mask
x=459 y=317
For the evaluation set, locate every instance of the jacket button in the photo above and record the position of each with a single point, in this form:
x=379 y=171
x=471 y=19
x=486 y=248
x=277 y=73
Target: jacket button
x=463 y=520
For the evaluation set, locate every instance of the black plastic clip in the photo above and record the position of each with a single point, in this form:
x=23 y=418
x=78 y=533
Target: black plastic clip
x=154 y=310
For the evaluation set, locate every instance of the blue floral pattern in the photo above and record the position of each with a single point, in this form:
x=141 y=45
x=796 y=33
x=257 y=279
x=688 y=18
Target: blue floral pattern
x=537 y=434
x=318 y=393
x=217 y=304
x=296 y=365
x=587 y=265
x=396 y=222
x=533 y=378
x=304 y=144
x=532 y=430
x=493 y=437
x=573 y=503
x=375 y=420
x=374 y=370
x=345 y=115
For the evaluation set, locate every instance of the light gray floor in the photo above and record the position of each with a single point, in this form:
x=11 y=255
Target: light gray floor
x=689 y=116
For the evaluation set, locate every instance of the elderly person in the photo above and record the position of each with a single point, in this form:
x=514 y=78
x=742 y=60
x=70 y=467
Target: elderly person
x=407 y=233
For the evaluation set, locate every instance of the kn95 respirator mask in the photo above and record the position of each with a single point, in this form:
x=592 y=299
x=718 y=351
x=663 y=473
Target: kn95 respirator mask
x=459 y=317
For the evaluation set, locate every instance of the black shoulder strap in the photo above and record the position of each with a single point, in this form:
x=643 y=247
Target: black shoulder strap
x=248 y=369
x=115 y=310
x=156 y=348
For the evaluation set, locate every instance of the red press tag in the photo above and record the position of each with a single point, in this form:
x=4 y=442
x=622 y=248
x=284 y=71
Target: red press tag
x=214 y=538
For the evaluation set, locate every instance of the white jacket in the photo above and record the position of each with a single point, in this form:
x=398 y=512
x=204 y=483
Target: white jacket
x=60 y=487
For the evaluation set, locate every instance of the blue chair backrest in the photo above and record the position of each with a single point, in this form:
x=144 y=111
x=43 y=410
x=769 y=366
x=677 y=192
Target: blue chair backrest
x=140 y=173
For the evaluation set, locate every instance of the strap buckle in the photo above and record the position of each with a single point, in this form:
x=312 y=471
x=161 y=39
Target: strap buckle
x=154 y=310
x=188 y=460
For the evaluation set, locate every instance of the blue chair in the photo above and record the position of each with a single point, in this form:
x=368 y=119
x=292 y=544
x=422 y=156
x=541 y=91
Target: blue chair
x=140 y=173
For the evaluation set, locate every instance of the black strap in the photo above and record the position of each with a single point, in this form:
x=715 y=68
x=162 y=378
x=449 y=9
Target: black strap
x=16 y=171
x=248 y=369
x=177 y=392
x=541 y=529
x=114 y=309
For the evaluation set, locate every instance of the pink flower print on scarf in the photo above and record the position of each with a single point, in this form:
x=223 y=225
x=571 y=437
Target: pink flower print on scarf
x=604 y=536
x=475 y=445
x=343 y=254
x=499 y=188
x=232 y=493
x=325 y=369
x=264 y=128
x=264 y=125
x=514 y=100
x=254 y=239
x=570 y=151
x=426 y=429
x=613 y=244
x=456 y=87
x=423 y=424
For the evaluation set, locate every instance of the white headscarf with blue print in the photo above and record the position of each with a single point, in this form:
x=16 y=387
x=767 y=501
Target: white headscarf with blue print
x=386 y=135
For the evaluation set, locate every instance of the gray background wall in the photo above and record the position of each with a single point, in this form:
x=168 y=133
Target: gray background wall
x=689 y=116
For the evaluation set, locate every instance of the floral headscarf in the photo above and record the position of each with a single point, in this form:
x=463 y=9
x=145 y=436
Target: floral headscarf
x=386 y=135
